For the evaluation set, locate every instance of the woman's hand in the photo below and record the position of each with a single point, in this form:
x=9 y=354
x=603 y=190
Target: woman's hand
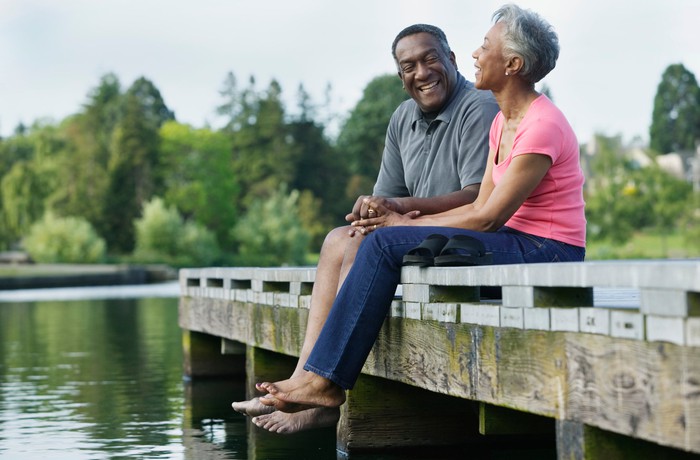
x=370 y=208
x=381 y=213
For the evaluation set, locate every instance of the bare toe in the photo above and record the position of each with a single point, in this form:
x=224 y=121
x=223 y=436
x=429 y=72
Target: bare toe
x=252 y=407
x=289 y=423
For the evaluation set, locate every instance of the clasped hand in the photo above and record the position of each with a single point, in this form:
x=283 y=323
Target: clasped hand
x=370 y=213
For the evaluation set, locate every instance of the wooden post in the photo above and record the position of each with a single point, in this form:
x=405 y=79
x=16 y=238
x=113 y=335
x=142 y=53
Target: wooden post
x=202 y=357
x=577 y=441
x=381 y=414
x=264 y=365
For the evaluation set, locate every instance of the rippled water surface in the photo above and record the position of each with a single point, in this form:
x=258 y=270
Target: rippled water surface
x=102 y=379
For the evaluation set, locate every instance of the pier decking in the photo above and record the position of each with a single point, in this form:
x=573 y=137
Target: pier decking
x=602 y=356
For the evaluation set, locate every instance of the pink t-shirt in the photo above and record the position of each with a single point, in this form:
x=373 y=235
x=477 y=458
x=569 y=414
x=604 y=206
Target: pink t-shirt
x=555 y=209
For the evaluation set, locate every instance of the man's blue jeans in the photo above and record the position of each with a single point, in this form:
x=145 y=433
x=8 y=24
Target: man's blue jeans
x=362 y=303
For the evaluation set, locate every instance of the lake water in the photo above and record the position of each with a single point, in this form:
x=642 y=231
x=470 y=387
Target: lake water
x=96 y=373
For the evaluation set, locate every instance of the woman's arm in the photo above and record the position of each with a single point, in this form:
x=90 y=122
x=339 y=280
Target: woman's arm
x=494 y=205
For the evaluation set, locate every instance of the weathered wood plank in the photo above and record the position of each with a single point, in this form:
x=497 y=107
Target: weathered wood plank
x=585 y=367
x=381 y=414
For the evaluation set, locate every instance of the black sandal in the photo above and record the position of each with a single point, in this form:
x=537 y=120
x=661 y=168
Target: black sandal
x=463 y=250
x=424 y=254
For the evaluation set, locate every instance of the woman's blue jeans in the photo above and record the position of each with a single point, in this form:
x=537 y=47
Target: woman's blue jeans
x=363 y=301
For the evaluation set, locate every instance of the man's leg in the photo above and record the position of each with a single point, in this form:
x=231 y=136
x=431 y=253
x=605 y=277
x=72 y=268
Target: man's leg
x=337 y=254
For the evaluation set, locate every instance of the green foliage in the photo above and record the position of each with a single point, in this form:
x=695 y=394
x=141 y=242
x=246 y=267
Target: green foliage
x=675 y=122
x=690 y=223
x=320 y=171
x=623 y=197
x=64 y=240
x=271 y=232
x=610 y=206
x=199 y=177
x=162 y=236
x=22 y=198
x=362 y=137
x=132 y=173
x=263 y=150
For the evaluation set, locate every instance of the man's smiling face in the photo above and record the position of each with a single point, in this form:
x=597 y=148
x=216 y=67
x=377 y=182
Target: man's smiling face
x=428 y=74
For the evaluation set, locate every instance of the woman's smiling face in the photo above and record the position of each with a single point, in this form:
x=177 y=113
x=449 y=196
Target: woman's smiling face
x=489 y=61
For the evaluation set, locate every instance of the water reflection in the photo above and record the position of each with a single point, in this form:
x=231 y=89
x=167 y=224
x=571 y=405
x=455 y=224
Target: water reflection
x=101 y=379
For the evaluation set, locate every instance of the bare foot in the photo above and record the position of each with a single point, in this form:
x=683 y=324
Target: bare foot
x=252 y=407
x=301 y=393
x=284 y=423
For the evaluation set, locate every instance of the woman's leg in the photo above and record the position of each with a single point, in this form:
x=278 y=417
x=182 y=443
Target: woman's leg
x=362 y=303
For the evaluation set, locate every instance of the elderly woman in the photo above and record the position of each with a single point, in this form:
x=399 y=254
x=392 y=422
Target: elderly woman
x=530 y=209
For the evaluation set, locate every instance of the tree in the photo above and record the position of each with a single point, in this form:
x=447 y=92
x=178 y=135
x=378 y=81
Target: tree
x=361 y=139
x=88 y=138
x=624 y=197
x=199 y=177
x=23 y=194
x=102 y=113
x=271 y=232
x=151 y=102
x=319 y=168
x=132 y=174
x=611 y=199
x=667 y=197
x=27 y=184
x=675 y=122
x=263 y=151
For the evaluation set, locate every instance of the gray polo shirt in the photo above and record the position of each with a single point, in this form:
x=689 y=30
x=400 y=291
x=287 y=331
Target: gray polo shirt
x=424 y=160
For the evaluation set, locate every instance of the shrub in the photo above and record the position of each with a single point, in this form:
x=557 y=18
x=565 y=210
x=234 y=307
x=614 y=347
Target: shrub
x=64 y=240
x=271 y=232
x=162 y=236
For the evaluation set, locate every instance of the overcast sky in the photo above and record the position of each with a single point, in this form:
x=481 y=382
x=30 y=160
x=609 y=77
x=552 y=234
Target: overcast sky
x=53 y=52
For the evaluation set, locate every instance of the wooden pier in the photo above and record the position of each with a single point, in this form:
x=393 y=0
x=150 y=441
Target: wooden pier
x=603 y=358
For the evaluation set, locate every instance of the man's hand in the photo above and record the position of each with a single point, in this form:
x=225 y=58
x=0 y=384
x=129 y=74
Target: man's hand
x=380 y=214
x=362 y=210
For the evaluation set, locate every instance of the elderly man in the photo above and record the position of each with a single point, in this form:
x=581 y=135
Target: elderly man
x=433 y=160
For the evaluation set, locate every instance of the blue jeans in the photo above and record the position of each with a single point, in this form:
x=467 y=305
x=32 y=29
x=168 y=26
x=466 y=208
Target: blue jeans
x=363 y=301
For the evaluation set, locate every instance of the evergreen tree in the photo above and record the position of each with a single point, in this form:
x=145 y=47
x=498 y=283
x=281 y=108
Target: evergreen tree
x=80 y=191
x=132 y=167
x=319 y=168
x=100 y=116
x=675 y=124
x=263 y=152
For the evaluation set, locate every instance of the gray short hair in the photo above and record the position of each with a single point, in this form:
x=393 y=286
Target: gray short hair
x=530 y=37
x=423 y=28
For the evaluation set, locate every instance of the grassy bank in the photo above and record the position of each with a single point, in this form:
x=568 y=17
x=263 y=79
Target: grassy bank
x=645 y=246
x=54 y=269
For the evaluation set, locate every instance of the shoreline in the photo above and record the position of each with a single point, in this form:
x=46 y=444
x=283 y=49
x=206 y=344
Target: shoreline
x=34 y=276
